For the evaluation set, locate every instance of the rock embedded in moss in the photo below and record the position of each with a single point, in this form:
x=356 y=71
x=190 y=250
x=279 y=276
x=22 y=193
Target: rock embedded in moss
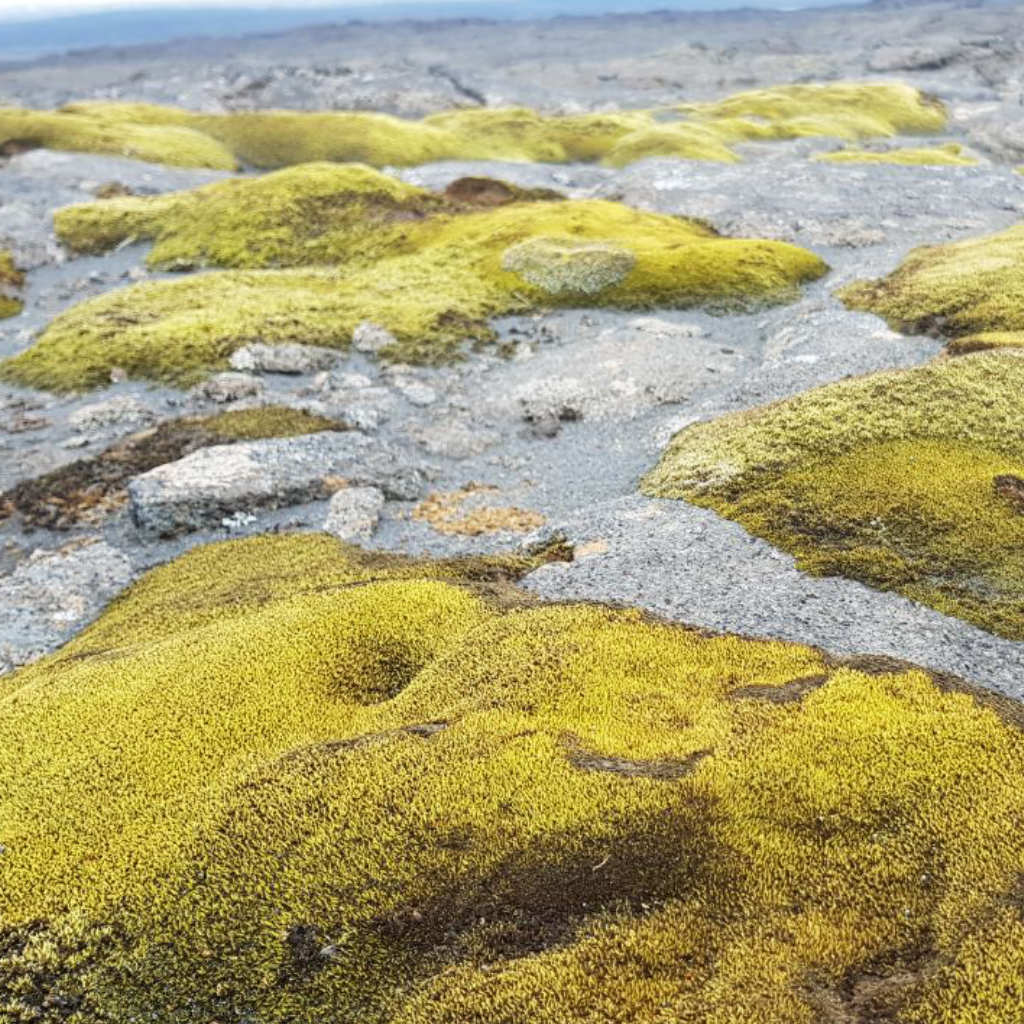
x=960 y=289
x=566 y=266
x=311 y=783
x=888 y=479
x=86 y=490
x=433 y=287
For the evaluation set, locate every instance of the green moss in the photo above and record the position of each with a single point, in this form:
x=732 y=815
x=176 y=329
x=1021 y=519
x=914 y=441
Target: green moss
x=703 y=131
x=972 y=287
x=902 y=480
x=437 y=289
x=311 y=784
x=947 y=155
x=87 y=490
x=984 y=341
x=11 y=282
x=99 y=132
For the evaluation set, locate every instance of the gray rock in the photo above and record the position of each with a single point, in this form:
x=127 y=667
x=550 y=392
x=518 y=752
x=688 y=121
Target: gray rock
x=54 y=593
x=569 y=266
x=354 y=512
x=283 y=358
x=371 y=338
x=231 y=387
x=419 y=394
x=212 y=484
x=120 y=411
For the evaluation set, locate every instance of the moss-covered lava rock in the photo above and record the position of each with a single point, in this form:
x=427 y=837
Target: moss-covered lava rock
x=948 y=155
x=903 y=480
x=278 y=138
x=432 y=279
x=971 y=290
x=87 y=489
x=284 y=781
x=567 y=266
x=11 y=282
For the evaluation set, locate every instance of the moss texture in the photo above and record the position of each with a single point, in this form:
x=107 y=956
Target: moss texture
x=433 y=281
x=86 y=490
x=948 y=155
x=100 y=132
x=11 y=282
x=907 y=481
x=310 y=784
x=962 y=289
x=278 y=138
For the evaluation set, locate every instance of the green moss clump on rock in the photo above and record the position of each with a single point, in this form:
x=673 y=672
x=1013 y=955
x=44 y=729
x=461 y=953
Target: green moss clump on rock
x=961 y=289
x=442 y=278
x=948 y=155
x=11 y=282
x=279 y=138
x=103 y=131
x=308 y=783
x=910 y=481
x=87 y=490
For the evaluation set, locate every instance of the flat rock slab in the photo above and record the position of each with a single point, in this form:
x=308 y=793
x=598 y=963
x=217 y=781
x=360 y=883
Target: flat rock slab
x=53 y=594
x=214 y=483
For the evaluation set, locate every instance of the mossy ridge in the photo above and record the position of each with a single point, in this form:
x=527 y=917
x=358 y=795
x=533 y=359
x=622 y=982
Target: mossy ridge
x=319 y=213
x=11 y=281
x=432 y=298
x=164 y=142
x=87 y=489
x=701 y=131
x=321 y=784
x=948 y=155
x=971 y=287
x=896 y=479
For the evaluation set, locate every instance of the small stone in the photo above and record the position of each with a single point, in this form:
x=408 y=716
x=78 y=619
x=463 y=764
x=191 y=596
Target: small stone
x=120 y=411
x=230 y=387
x=118 y=374
x=289 y=358
x=354 y=512
x=371 y=338
x=419 y=394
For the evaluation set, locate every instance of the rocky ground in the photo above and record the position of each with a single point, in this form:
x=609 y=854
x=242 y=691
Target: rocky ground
x=549 y=433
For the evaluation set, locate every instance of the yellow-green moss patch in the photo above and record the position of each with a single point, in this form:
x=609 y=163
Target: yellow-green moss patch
x=440 y=282
x=278 y=138
x=299 y=783
x=902 y=480
x=11 y=282
x=95 y=132
x=973 y=287
x=949 y=155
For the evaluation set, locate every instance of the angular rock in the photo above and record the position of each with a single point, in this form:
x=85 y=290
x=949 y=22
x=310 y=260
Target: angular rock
x=214 y=483
x=231 y=387
x=52 y=594
x=120 y=411
x=354 y=512
x=289 y=358
x=566 y=265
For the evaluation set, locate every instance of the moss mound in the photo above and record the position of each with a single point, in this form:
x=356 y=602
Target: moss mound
x=279 y=138
x=948 y=155
x=902 y=480
x=310 y=784
x=974 y=287
x=105 y=132
x=11 y=281
x=87 y=489
x=441 y=279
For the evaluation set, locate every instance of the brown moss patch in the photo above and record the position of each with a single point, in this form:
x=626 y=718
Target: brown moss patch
x=445 y=511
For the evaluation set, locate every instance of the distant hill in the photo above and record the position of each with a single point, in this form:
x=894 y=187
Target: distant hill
x=27 y=39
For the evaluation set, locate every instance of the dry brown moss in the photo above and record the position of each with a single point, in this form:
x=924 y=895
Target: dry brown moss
x=309 y=784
